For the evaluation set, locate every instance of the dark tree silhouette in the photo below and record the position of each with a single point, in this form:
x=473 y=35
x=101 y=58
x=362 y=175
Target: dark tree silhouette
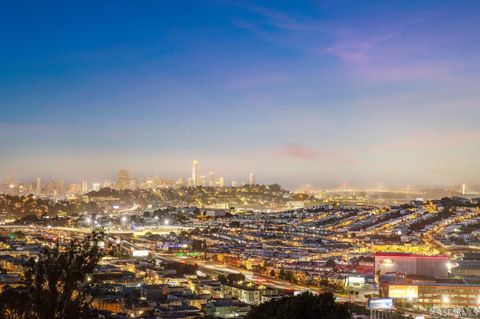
x=304 y=306
x=183 y=269
x=235 y=277
x=54 y=286
x=330 y=263
x=234 y=224
x=231 y=278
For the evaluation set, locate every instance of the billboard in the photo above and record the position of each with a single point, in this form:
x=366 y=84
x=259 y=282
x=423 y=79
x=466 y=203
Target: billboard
x=140 y=253
x=354 y=281
x=403 y=291
x=381 y=303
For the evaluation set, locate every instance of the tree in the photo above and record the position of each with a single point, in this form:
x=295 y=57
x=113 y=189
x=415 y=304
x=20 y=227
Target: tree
x=222 y=279
x=54 y=288
x=324 y=281
x=234 y=224
x=198 y=245
x=232 y=278
x=330 y=263
x=304 y=306
x=286 y=275
x=183 y=269
x=17 y=234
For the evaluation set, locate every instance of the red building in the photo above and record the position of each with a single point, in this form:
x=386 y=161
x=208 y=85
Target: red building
x=411 y=264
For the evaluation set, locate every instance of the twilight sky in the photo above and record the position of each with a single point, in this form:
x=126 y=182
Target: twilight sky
x=320 y=92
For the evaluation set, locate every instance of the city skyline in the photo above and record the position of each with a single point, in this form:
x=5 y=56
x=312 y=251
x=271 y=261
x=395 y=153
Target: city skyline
x=123 y=180
x=318 y=93
x=127 y=180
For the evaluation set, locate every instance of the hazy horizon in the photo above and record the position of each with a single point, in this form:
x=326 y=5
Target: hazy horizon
x=320 y=93
x=325 y=185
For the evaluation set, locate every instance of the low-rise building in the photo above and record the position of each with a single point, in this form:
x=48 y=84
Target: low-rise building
x=226 y=308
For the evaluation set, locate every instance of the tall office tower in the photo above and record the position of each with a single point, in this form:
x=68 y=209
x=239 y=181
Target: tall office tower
x=38 y=187
x=221 y=181
x=251 y=179
x=189 y=182
x=211 y=179
x=96 y=187
x=84 y=186
x=123 y=179
x=234 y=183
x=195 y=173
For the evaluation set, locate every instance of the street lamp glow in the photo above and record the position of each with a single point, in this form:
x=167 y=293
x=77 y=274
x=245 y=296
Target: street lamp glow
x=88 y=220
x=166 y=222
x=123 y=219
x=449 y=266
x=156 y=217
x=445 y=299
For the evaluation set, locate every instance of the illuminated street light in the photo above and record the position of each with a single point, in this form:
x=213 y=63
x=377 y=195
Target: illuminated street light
x=123 y=219
x=445 y=299
x=166 y=222
x=449 y=266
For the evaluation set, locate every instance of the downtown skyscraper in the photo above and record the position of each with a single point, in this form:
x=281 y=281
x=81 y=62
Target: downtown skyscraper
x=194 y=177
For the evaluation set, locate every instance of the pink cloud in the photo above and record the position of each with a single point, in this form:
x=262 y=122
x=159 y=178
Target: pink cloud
x=309 y=154
x=299 y=151
x=354 y=48
x=387 y=53
x=401 y=72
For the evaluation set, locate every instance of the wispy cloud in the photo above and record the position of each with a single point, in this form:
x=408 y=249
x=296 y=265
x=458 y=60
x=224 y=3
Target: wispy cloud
x=279 y=20
x=306 y=153
x=282 y=29
x=390 y=52
x=300 y=151
x=352 y=47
